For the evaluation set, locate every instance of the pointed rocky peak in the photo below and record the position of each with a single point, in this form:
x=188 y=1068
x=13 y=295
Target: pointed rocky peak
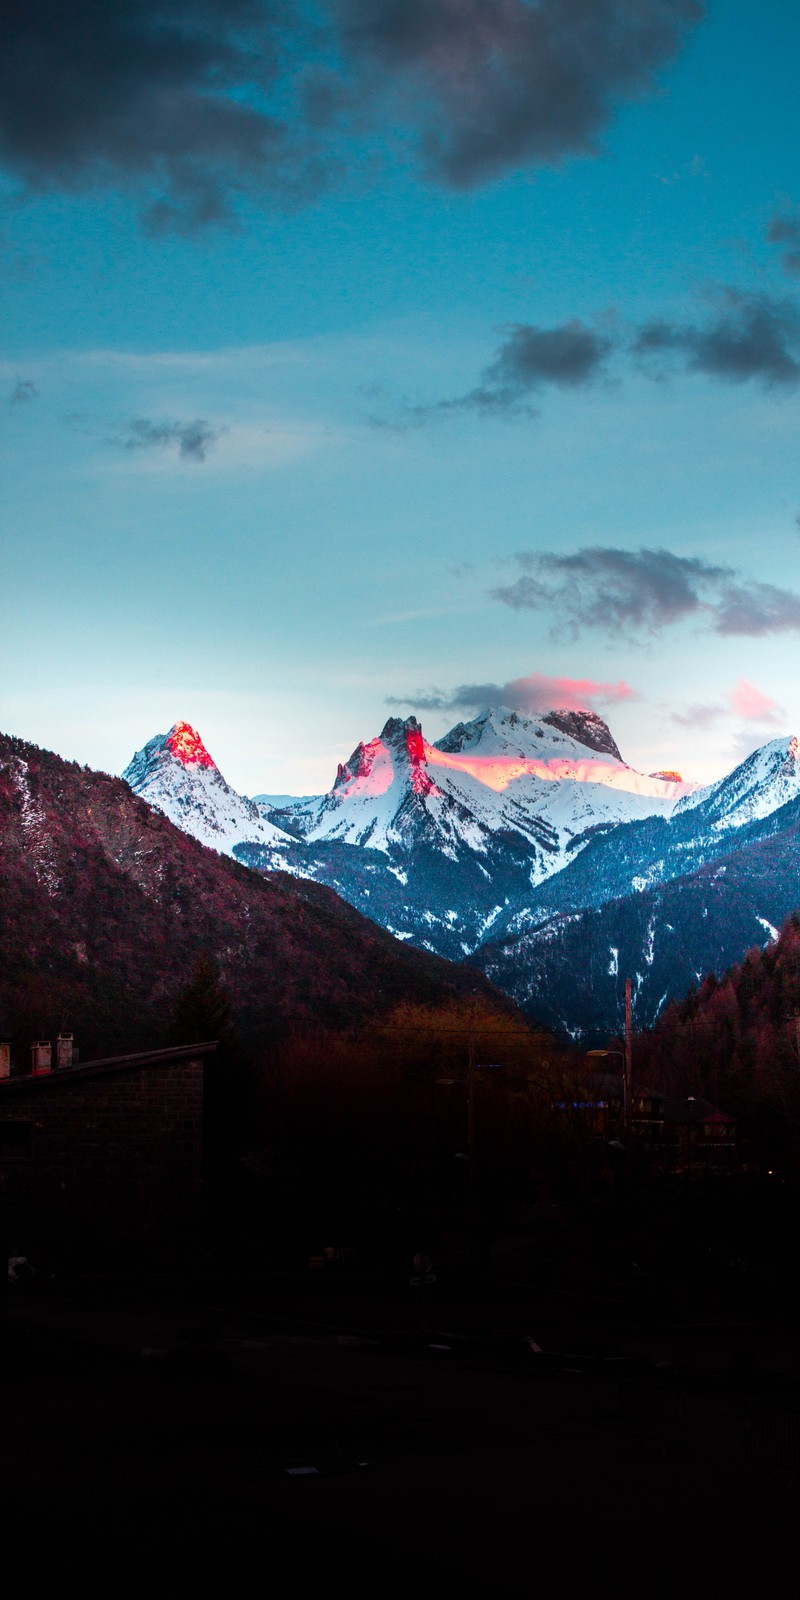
x=396 y=732
x=399 y=749
x=175 y=773
x=588 y=729
x=179 y=751
x=185 y=744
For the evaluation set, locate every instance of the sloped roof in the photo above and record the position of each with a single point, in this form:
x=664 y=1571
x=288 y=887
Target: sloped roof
x=104 y=1066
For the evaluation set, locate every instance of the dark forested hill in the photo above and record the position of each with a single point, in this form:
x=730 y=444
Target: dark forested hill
x=736 y=1040
x=105 y=906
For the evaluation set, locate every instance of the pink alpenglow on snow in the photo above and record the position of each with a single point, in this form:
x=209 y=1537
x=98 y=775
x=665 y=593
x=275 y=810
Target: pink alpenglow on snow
x=187 y=746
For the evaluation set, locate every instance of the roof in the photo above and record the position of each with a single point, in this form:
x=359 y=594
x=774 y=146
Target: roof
x=104 y=1066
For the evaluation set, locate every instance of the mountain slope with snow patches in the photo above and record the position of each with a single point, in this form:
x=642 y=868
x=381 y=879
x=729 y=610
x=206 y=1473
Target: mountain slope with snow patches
x=569 y=971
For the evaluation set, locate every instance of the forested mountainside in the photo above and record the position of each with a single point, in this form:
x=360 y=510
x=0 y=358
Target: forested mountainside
x=736 y=1039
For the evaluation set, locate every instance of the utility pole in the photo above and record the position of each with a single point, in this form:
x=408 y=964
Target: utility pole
x=627 y=1077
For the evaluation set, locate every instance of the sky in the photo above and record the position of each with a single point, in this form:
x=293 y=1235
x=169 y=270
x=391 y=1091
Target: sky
x=390 y=357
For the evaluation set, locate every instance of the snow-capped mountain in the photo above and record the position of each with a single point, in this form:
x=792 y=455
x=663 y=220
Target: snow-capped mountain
x=175 y=773
x=548 y=781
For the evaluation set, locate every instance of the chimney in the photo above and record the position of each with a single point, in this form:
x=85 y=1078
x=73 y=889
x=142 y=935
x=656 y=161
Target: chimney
x=5 y=1059
x=41 y=1054
x=65 y=1053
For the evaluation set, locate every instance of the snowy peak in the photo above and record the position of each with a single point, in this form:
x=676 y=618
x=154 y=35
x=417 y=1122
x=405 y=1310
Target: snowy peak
x=182 y=745
x=757 y=787
x=500 y=727
x=175 y=773
x=398 y=754
x=501 y=749
x=185 y=744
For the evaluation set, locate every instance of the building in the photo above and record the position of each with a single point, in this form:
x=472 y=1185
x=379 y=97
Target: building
x=107 y=1155
x=677 y=1134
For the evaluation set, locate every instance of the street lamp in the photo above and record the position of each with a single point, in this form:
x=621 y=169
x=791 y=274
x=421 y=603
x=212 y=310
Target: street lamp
x=624 y=1057
x=473 y=1066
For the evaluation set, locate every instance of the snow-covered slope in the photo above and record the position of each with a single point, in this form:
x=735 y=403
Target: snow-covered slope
x=175 y=773
x=756 y=788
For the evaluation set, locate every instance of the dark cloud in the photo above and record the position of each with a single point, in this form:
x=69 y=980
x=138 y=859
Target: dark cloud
x=756 y=609
x=628 y=592
x=784 y=228
x=536 y=693
x=193 y=439
x=190 y=103
x=753 y=336
x=23 y=392
x=498 y=84
x=569 y=356
x=161 y=95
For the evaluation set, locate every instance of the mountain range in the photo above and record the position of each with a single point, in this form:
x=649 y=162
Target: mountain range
x=525 y=846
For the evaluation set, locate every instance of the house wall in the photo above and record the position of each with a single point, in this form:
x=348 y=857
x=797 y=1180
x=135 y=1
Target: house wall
x=116 y=1156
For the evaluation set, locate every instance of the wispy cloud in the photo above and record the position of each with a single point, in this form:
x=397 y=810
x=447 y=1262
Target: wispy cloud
x=699 y=716
x=748 y=337
x=784 y=229
x=23 y=392
x=745 y=702
x=643 y=591
x=533 y=694
x=752 y=705
x=192 y=440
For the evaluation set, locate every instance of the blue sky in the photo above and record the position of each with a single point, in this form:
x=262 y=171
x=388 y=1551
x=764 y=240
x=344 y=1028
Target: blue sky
x=270 y=457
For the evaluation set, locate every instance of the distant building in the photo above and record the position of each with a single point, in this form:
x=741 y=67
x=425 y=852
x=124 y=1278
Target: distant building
x=108 y=1154
x=677 y=1134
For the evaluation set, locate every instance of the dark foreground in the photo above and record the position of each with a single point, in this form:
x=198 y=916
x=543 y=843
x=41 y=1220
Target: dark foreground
x=316 y=1438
